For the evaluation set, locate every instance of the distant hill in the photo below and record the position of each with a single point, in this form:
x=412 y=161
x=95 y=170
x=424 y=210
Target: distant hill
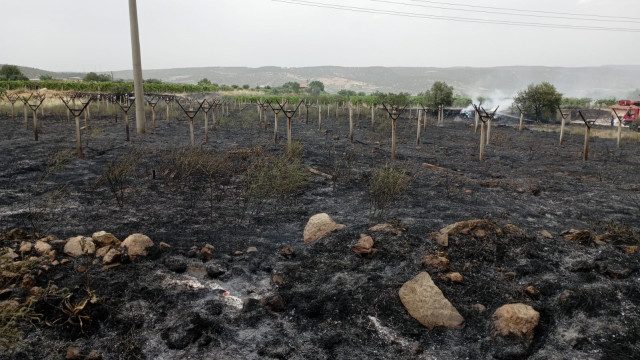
x=595 y=82
x=493 y=82
x=33 y=73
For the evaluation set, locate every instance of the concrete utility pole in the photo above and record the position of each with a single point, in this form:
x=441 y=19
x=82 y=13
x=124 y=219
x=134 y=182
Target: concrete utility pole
x=137 y=68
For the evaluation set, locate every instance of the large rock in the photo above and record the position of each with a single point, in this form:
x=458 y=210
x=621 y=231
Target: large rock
x=137 y=245
x=364 y=245
x=518 y=319
x=42 y=247
x=78 y=246
x=318 y=226
x=103 y=238
x=478 y=226
x=425 y=302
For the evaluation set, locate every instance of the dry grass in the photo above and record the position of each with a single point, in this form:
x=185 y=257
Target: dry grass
x=596 y=131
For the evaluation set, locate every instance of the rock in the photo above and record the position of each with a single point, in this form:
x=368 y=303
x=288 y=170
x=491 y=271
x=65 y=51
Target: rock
x=631 y=249
x=479 y=308
x=25 y=247
x=436 y=262
x=364 y=245
x=275 y=303
x=416 y=349
x=164 y=245
x=251 y=249
x=425 y=302
x=455 y=277
x=512 y=230
x=468 y=191
x=531 y=290
x=114 y=255
x=103 y=238
x=64 y=261
x=238 y=253
x=28 y=281
x=287 y=253
x=603 y=238
x=9 y=305
x=53 y=255
x=94 y=355
x=278 y=280
x=466 y=227
x=137 y=245
x=545 y=234
x=78 y=246
x=207 y=251
x=577 y=235
x=42 y=247
x=73 y=353
x=103 y=251
x=386 y=228
x=175 y=264
x=318 y=226
x=215 y=270
x=55 y=263
x=517 y=319
x=8 y=253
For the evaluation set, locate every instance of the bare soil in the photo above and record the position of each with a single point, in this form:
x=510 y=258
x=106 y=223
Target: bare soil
x=324 y=300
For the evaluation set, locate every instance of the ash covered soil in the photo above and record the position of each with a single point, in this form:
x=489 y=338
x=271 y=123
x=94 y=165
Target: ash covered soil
x=234 y=279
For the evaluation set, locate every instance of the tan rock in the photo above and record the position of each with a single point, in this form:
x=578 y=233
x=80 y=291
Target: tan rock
x=8 y=253
x=64 y=261
x=164 y=245
x=103 y=238
x=238 y=253
x=531 y=290
x=478 y=226
x=454 y=277
x=42 y=247
x=137 y=245
x=631 y=249
x=79 y=245
x=517 y=319
x=364 y=245
x=425 y=302
x=468 y=191
x=318 y=226
x=479 y=308
x=73 y=353
x=251 y=249
x=436 y=262
x=277 y=279
x=103 y=251
x=545 y=234
x=207 y=251
x=114 y=255
x=25 y=247
x=512 y=230
x=386 y=228
x=287 y=252
x=53 y=255
x=577 y=235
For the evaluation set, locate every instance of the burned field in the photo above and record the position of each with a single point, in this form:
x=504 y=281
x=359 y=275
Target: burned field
x=230 y=275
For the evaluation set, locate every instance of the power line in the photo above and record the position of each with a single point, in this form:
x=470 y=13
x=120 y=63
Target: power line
x=475 y=10
x=452 y=18
x=526 y=10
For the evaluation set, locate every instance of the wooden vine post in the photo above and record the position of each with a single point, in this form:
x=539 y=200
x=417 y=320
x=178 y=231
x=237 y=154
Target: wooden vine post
x=418 y=131
x=167 y=100
x=424 y=118
x=263 y=106
x=86 y=111
x=206 y=107
x=564 y=116
x=76 y=114
x=350 y=123
x=521 y=119
x=153 y=101
x=276 y=111
x=484 y=118
x=394 y=114
x=587 y=134
x=320 y=117
x=373 y=116
x=289 y=114
x=191 y=114
x=36 y=102
x=25 y=105
x=12 y=99
x=476 y=118
x=620 y=119
x=125 y=106
x=307 y=105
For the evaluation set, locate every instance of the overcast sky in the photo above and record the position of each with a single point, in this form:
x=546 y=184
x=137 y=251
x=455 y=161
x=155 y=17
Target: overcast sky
x=91 y=35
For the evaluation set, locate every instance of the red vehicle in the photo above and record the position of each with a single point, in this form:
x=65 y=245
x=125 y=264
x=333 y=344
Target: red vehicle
x=627 y=110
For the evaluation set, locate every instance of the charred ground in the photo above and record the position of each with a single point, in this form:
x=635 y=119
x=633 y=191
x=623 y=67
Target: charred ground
x=322 y=301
